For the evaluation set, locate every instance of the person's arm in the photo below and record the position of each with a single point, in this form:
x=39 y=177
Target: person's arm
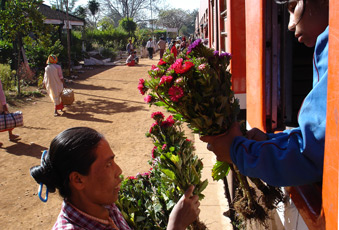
x=185 y=211
x=287 y=159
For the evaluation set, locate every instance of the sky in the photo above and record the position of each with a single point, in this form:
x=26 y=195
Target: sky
x=183 y=4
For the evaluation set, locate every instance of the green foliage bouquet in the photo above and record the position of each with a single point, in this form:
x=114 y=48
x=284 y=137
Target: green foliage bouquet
x=147 y=199
x=195 y=87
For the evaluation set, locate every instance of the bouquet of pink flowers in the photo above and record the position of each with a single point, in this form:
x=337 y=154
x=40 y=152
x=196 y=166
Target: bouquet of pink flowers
x=195 y=87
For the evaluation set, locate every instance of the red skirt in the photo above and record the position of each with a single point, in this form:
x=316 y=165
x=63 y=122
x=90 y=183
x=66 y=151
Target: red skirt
x=59 y=107
x=132 y=63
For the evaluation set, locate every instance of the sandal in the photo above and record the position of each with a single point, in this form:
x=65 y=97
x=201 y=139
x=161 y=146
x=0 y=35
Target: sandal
x=1 y=144
x=14 y=137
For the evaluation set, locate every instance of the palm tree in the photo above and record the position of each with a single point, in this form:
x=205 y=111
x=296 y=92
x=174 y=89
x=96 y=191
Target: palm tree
x=93 y=7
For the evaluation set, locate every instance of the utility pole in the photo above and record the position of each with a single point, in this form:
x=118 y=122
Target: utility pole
x=68 y=41
x=150 y=3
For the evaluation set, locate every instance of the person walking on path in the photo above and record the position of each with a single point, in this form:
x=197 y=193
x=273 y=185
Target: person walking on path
x=150 y=48
x=54 y=82
x=174 y=50
x=162 y=46
x=129 y=47
x=4 y=110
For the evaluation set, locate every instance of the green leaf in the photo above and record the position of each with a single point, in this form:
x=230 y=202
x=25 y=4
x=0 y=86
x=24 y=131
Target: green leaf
x=220 y=170
x=169 y=173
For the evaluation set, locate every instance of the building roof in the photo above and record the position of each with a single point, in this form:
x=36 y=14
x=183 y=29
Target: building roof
x=55 y=16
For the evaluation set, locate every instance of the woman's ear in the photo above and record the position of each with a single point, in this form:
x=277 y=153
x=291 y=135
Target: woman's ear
x=77 y=180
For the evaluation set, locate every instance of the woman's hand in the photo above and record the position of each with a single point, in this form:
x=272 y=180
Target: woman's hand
x=185 y=211
x=221 y=145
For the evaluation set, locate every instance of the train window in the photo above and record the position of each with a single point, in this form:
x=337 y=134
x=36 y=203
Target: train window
x=289 y=70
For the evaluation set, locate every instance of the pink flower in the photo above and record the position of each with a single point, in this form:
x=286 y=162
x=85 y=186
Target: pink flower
x=141 y=86
x=131 y=178
x=157 y=116
x=154 y=148
x=179 y=80
x=176 y=64
x=169 y=122
x=175 y=93
x=162 y=62
x=148 y=98
x=145 y=174
x=181 y=68
x=153 y=127
x=202 y=67
x=188 y=140
x=165 y=79
x=141 y=81
x=153 y=67
x=164 y=147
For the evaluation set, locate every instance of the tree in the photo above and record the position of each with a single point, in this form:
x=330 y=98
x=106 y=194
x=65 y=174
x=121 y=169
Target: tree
x=175 y=18
x=62 y=4
x=93 y=7
x=136 y=9
x=19 y=18
x=128 y=25
x=80 y=12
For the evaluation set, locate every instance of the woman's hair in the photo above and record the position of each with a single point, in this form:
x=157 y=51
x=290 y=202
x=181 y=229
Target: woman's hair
x=73 y=150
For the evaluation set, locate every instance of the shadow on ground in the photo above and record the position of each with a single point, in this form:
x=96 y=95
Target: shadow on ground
x=20 y=149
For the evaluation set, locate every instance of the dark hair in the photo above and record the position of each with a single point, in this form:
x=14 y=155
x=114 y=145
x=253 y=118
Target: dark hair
x=72 y=150
x=287 y=1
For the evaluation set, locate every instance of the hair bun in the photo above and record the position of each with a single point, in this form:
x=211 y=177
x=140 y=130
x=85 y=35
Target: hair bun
x=44 y=174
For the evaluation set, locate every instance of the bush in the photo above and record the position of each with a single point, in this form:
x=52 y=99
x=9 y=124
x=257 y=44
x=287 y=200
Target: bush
x=7 y=77
x=111 y=38
x=76 y=48
x=109 y=53
x=6 y=51
x=38 y=50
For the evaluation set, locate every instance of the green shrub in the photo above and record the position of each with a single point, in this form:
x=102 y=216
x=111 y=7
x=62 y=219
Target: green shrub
x=7 y=77
x=109 y=53
x=37 y=51
x=6 y=51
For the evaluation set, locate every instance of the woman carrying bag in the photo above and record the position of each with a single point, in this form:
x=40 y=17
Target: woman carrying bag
x=4 y=110
x=54 y=82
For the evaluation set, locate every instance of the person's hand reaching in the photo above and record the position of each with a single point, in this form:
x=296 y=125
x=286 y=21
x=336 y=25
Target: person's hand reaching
x=185 y=211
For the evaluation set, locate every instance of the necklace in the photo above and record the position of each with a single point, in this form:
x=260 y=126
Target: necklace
x=102 y=221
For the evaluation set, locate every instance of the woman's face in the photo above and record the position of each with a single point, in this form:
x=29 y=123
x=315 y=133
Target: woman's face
x=309 y=25
x=103 y=181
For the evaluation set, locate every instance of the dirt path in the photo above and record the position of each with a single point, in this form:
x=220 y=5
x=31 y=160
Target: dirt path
x=107 y=100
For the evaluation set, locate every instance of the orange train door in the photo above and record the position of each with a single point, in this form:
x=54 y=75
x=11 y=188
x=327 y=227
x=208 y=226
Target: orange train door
x=330 y=177
x=269 y=104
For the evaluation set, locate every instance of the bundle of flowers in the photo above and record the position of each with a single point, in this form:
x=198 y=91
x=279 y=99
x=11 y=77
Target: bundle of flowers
x=147 y=199
x=196 y=87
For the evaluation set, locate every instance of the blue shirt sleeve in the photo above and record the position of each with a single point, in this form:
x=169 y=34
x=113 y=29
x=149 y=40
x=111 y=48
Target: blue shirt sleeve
x=293 y=157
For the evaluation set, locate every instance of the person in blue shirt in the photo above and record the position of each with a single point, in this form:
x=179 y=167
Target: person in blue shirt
x=292 y=157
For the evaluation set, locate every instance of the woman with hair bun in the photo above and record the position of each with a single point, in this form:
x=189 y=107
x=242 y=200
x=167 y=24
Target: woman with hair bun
x=80 y=164
x=54 y=82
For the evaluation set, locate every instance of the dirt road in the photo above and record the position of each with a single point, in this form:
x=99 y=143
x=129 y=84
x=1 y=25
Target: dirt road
x=106 y=99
